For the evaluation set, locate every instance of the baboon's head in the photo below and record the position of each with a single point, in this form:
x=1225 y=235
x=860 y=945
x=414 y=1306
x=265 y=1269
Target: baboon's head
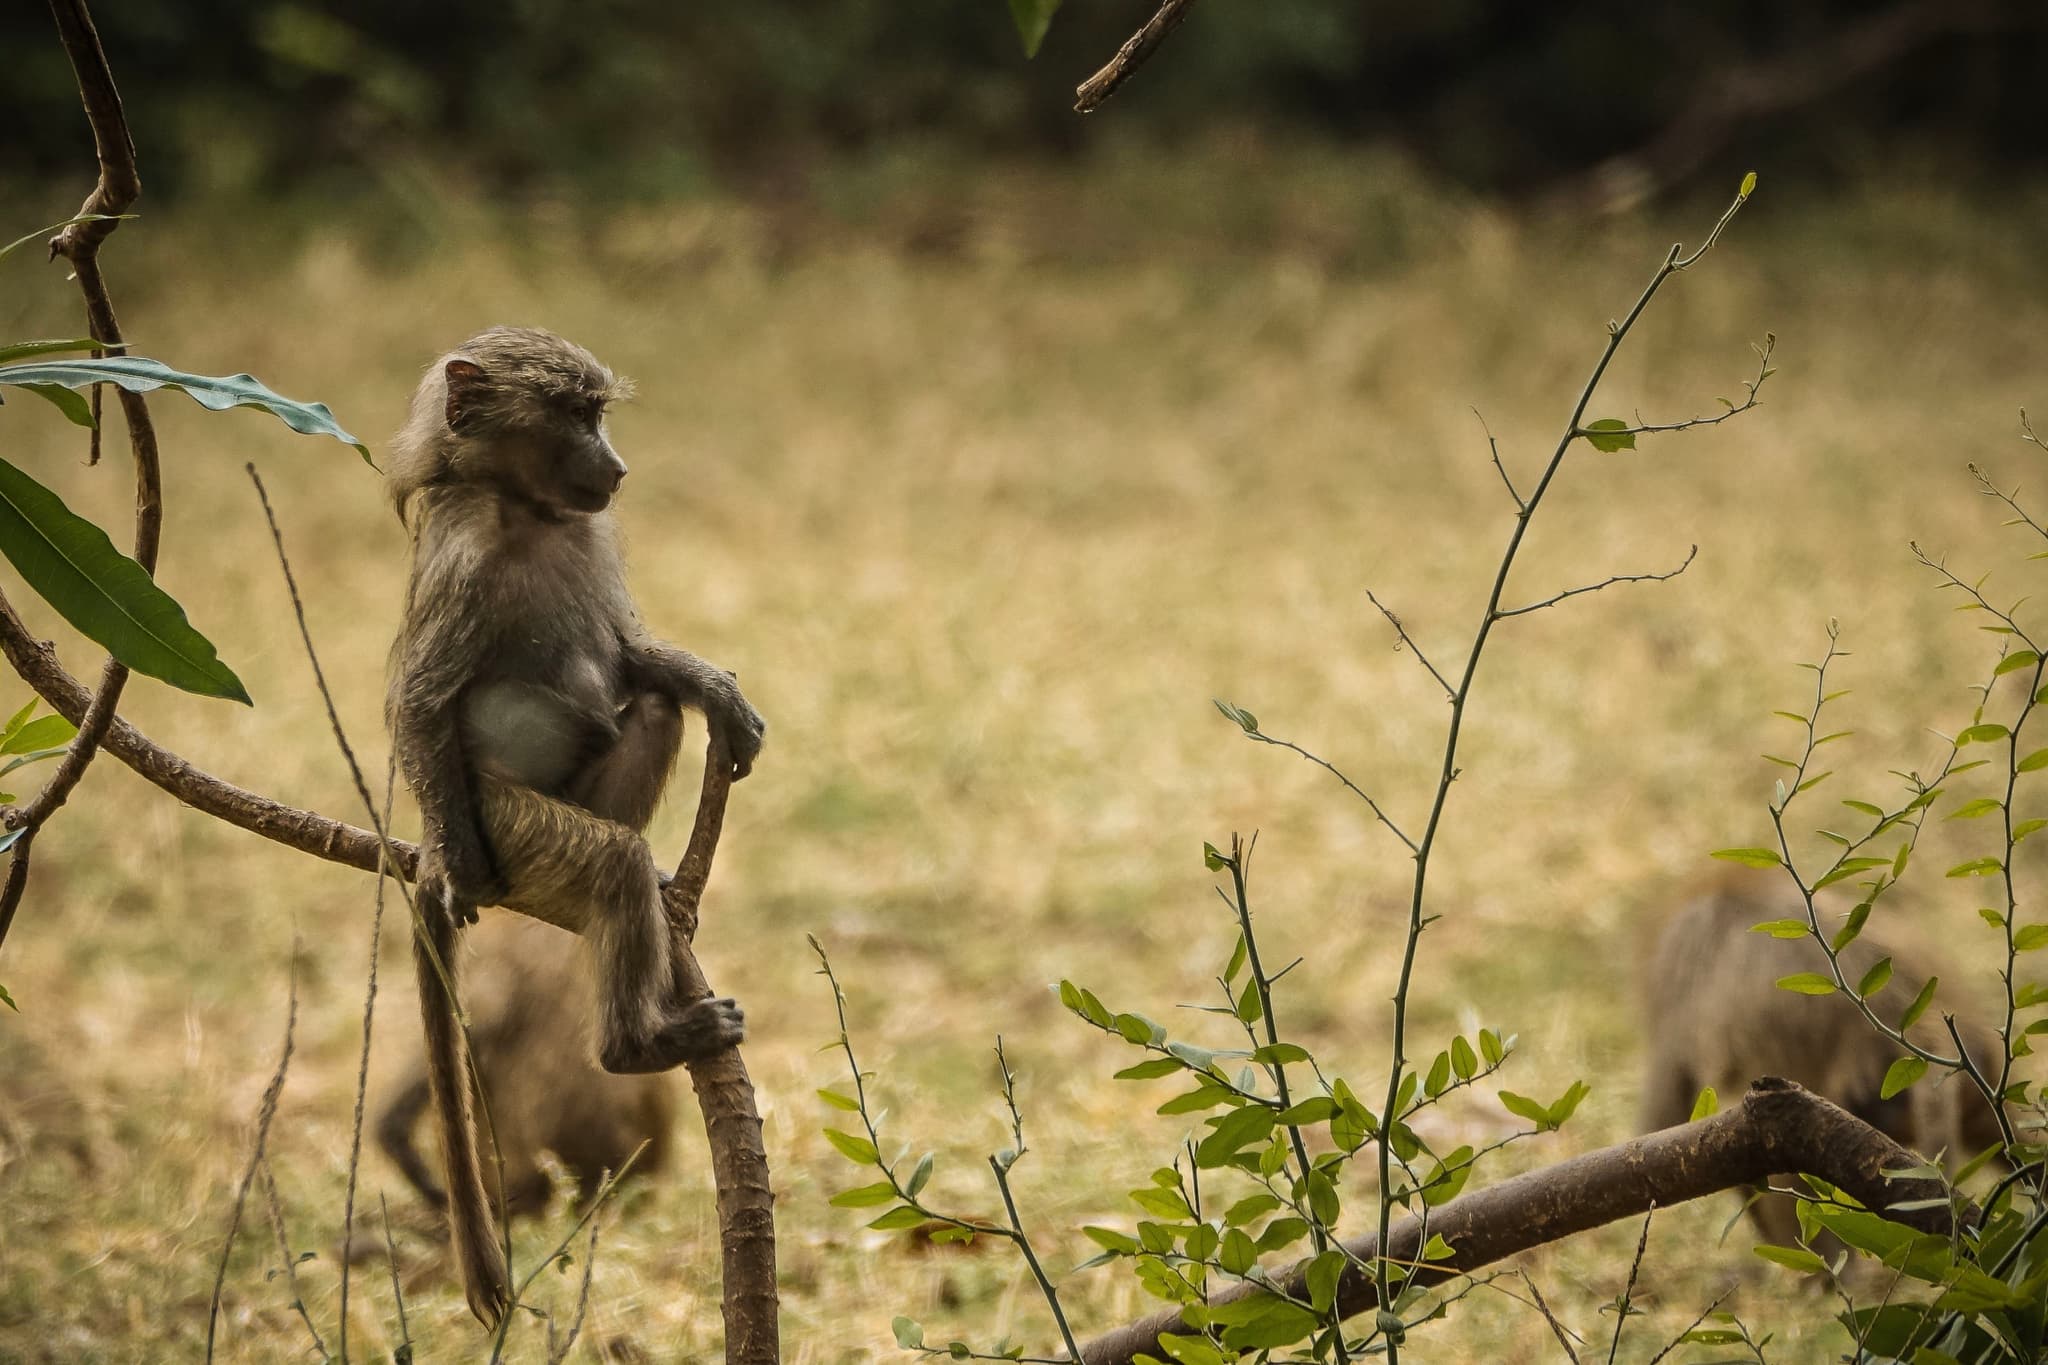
x=520 y=410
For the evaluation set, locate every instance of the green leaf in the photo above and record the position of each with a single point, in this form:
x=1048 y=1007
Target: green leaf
x=864 y=1196
x=1321 y=1278
x=839 y=1101
x=1184 y=1350
x=1234 y=1132
x=8 y=1000
x=2026 y=827
x=1919 y=1005
x=1874 y=980
x=2033 y=762
x=853 y=1148
x=22 y=350
x=895 y=1220
x=77 y=409
x=1109 y=1239
x=1439 y=1075
x=2028 y=937
x=1781 y=928
x=1314 y=1109
x=1244 y=719
x=1748 y=185
x=1901 y=1074
x=139 y=374
x=1273 y=1054
x=1851 y=927
x=920 y=1176
x=909 y=1335
x=1032 y=18
x=1521 y=1106
x=1238 y=1252
x=1977 y=867
x=2015 y=661
x=1561 y=1108
x=1981 y=734
x=1437 y=1249
x=1796 y=1258
x=1971 y=810
x=1608 y=435
x=1806 y=983
x=1149 y=1071
x=1707 y=1103
x=44 y=734
x=1462 y=1060
x=1749 y=857
x=1248 y=1008
x=112 y=601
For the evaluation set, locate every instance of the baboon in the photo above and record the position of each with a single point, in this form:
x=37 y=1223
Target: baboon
x=536 y=721
x=1716 y=1017
x=531 y=1010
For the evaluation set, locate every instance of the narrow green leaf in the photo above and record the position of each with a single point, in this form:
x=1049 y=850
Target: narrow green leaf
x=1971 y=810
x=43 y=734
x=853 y=1148
x=1977 y=867
x=1781 y=928
x=8 y=1000
x=22 y=350
x=1608 y=435
x=895 y=1220
x=1149 y=1071
x=1748 y=185
x=1851 y=927
x=77 y=409
x=139 y=374
x=1874 y=980
x=1806 y=983
x=919 y=1177
x=1795 y=1258
x=2026 y=827
x=1901 y=1074
x=1109 y=1239
x=1981 y=734
x=1521 y=1106
x=839 y=1101
x=1032 y=18
x=1749 y=857
x=1462 y=1060
x=72 y=565
x=44 y=234
x=864 y=1196
x=2028 y=937
x=1708 y=1103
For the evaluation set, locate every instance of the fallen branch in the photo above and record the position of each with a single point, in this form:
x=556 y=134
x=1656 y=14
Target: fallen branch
x=1778 y=1128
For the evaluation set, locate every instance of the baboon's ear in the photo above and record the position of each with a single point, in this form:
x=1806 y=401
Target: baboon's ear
x=465 y=385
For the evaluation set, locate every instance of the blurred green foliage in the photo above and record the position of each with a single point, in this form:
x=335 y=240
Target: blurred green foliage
x=651 y=100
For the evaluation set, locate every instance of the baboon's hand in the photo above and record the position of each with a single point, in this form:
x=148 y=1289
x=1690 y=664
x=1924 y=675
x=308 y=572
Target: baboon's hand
x=741 y=725
x=452 y=885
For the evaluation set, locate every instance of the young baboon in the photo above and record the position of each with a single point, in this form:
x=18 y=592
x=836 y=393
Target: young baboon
x=531 y=1011
x=1716 y=1017
x=536 y=721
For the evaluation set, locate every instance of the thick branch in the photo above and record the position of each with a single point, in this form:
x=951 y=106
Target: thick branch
x=1777 y=1128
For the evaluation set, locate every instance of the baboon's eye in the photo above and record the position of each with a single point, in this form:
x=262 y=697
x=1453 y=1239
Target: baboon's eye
x=583 y=411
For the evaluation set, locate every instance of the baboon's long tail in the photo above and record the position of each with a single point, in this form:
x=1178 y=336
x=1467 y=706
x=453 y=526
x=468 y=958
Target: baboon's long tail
x=471 y=1225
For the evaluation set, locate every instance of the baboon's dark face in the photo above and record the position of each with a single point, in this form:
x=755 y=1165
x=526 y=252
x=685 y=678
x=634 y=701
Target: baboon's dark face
x=538 y=428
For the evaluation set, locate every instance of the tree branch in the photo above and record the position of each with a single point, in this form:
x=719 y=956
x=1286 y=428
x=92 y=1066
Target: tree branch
x=1778 y=1127
x=1089 y=95
x=79 y=243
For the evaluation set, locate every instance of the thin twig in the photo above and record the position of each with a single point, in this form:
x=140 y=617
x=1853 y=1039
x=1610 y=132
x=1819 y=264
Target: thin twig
x=289 y=1262
x=1556 y=1328
x=1405 y=638
x=355 y=1136
x=1090 y=94
x=1494 y=446
x=397 y=1292
x=1608 y=582
x=265 y=1111
x=1625 y=1307
x=558 y=1354
x=605 y=1190
x=1679 y=1340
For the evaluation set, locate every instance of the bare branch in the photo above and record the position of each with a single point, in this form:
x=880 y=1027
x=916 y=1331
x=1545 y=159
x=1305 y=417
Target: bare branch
x=1405 y=638
x=1331 y=769
x=1625 y=1305
x=1557 y=1329
x=1090 y=94
x=288 y=1262
x=1777 y=1127
x=1750 y=387
x=1690 y=555
x=1513 y=492
x=355 y=1135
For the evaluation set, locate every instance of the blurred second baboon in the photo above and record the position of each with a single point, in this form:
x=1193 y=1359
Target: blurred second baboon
x=531 y=1011
x=1715 y=1016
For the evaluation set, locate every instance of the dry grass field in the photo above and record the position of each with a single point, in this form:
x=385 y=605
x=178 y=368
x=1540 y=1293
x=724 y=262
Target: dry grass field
x=986 y=485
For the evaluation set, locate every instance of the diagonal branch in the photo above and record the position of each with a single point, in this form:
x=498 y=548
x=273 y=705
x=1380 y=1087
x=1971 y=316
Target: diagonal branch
x=1778 y=1127
x=79 y=243
x=1089 y=95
